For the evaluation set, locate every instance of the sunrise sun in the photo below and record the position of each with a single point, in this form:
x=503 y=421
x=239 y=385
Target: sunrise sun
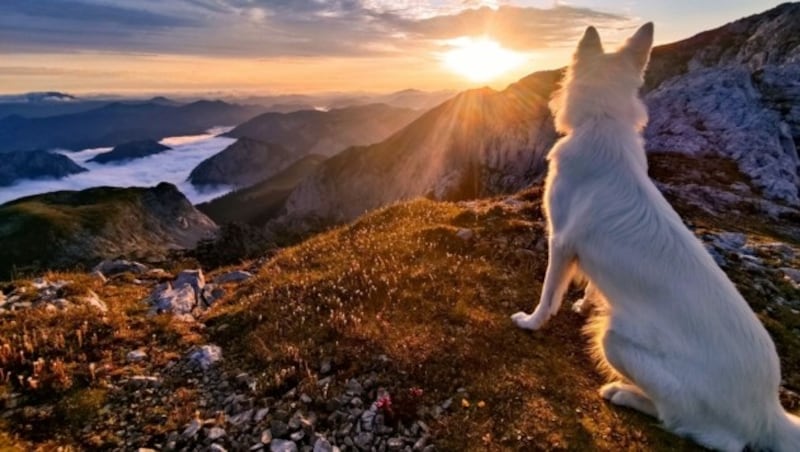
x=480 y=59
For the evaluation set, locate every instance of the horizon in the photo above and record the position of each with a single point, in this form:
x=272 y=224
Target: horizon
x=177 y=48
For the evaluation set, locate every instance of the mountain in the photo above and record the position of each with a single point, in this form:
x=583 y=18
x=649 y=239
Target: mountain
x=130 y=151
x=731 y=92
x=479 y=143
x=326 y=132
x=118 y=123
x=257 y=204
x=38 y=97
x=35 y=165
x=67 y=228
x=245 y=162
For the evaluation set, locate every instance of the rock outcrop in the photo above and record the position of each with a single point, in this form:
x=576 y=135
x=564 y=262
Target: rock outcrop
x=15 y=166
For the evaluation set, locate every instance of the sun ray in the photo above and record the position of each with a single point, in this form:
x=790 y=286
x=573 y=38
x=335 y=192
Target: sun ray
x=480 y=59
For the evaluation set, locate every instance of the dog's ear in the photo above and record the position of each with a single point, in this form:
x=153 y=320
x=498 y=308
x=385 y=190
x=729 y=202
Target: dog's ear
x=637 y=48
x=590 y=45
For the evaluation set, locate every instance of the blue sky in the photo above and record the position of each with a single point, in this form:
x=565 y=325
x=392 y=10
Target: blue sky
x=307 y=45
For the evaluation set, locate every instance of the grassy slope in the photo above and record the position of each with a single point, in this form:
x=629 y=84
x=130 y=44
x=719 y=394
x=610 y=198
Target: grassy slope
x=399 y=282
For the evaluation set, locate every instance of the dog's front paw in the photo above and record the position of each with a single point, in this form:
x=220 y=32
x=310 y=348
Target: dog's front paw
x=528 y=321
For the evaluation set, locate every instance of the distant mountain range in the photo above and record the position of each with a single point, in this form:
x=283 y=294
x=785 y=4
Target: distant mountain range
x=326 y=132
x=66 y=228
x=118 y=123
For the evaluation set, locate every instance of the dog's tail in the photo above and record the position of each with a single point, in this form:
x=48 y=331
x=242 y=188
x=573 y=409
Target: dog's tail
x=786 y=434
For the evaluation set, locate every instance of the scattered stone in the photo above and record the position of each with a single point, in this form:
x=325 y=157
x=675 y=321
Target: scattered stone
x=465 y=234
x=279 y=429
x=793 y=275
x=217 y=448
x=179 y=300
x=98 y=275
x=234 y=276
x=206 y=356
x=136 y=356
x=211 y=293
x=93 y=300
x=260 y=414
x=215 y=433
x=280 y=445
x=325 y=366
x=192 y=429
x=266 y=436
x=193 y=278
x=322 y=445
x=114 y=267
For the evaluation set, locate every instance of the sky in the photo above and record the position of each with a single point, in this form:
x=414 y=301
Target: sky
x=310 y=46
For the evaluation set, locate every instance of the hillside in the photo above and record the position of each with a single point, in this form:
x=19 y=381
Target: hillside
x=118 y=123
x=728 y=92
x=257 y=204
x=15 y=166
x=409 y=304
x=67 y=228
x=326 y=132
x=245 y=162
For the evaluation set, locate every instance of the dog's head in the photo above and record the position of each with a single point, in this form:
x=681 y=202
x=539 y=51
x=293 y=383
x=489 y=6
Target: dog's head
x=599 y=84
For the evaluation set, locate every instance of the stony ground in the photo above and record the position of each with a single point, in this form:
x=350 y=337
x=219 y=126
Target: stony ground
x=391 y=333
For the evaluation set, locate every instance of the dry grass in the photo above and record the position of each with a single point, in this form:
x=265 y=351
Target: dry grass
x=400 y=283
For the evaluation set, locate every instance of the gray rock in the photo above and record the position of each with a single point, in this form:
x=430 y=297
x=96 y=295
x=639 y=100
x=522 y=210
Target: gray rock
x=179 y=300
x=465 y=234
x=234 y=276
x=113 y=267
x=206 y=356
x=279 y=429
x=215 y=433
x=280 y=445
x=136 y=356
x=217 y=448
x=193 y=278
x=322 y=445
x=211 y=293
x=266 y=436
x=395 y=443
x=192 y=429
x=93 y=300
x=260 y=414
x=364 y=440
x=325 y=366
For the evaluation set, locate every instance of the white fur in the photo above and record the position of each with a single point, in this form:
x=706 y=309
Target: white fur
x=681 y=341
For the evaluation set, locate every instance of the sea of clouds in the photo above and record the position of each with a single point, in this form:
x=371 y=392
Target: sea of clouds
x=171 y=166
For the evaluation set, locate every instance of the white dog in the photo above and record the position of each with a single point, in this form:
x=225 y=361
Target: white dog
x=680 y=341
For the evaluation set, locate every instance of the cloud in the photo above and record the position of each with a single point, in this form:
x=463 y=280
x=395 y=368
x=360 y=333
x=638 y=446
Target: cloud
x=281 y=28
x=170 y=166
